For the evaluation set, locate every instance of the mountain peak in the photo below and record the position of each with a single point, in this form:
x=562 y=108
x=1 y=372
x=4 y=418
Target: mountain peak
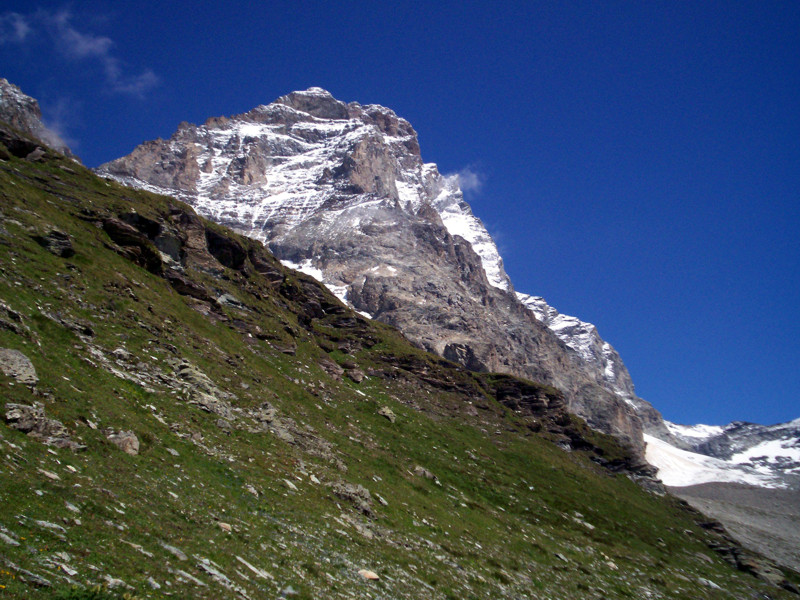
x=316 y=102
x=340 y=191
x=23 y=113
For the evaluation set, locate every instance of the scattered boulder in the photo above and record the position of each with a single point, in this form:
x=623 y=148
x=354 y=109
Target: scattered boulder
x=125 y=441
x=387 y=412
x=356 y=375
x=176 y=552
x=56 y=242
x=19 y=367
x=420 y=471
x=33 y=421
x=356 y=494
x=186 y=287
x=331 y=368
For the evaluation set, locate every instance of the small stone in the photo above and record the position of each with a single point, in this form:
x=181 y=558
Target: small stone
x=153 y=583
x=125 y=441
x=290 y=485
x=259 y=572
x=121 y=354
x=173 y=452
x=356 y=375
x=370 y=575
x=420 y=471
x=356 y=494
x=49 y=474
x=176 y=552
x=8 y=540
x=225 y=527
x=387 y=412
x=708 y=583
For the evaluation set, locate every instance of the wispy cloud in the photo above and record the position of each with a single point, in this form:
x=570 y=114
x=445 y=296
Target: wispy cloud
x=14 y=28
x=469 y=180
x=59 y=115
x=58 y=27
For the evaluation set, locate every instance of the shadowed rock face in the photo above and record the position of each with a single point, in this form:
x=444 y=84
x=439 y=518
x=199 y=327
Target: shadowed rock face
x=340 y=191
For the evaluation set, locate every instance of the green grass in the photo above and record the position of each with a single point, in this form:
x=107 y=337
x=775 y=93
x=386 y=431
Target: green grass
x=500 y=520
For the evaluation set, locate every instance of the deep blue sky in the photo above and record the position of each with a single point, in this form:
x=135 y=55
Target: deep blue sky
x=640 y=161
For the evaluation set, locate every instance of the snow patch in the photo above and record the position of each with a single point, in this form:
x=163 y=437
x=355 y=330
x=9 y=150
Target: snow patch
x=771 y=451
x=305 y=267
x=696 y=432
x=680 y=468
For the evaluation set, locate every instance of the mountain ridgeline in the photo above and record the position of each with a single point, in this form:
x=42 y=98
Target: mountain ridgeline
x=341 y=192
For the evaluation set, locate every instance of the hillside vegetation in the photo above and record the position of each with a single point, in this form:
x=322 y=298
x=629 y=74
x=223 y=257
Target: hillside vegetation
x=184 y=417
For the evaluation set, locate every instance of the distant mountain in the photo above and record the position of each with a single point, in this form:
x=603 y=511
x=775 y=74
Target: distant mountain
x=767 y=456
x=340 y=191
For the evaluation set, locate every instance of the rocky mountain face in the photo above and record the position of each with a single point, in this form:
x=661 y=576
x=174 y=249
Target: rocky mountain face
x=583 y=338
x=340 y=191
x=23 y=113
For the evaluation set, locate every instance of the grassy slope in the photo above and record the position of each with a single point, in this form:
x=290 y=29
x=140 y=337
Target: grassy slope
x=509 y=515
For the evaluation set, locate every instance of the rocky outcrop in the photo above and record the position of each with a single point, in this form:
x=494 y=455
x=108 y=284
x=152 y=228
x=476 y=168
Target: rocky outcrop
x=57 y=242
x=23 y=114
x=17 y=366
x=33 y=421
x=340 y=192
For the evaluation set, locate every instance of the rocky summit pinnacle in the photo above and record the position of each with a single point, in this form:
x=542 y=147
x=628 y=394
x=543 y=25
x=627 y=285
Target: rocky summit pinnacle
x=340 y=191
x=23 y=113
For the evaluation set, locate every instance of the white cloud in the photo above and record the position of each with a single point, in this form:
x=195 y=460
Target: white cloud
x=72 y=42
x=468 y=179
x=76 y=45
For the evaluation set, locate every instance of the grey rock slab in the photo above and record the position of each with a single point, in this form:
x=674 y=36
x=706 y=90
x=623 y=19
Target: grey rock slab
x=19 y=367
x=125 y=441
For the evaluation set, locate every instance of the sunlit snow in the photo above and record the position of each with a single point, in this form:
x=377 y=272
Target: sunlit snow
x=680 y=468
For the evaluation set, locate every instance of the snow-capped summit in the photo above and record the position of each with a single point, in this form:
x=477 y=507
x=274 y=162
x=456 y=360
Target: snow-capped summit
x=265 y=171
x=340 y=191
